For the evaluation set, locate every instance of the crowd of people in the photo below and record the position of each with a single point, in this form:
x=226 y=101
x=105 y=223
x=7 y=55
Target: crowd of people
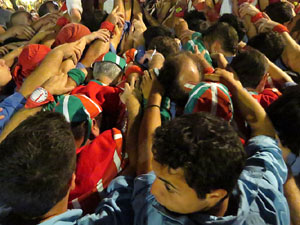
x=158 y=112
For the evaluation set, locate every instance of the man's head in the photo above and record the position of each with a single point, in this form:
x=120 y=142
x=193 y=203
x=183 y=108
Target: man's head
x=221 y=38
x=235 y=23
x=250 y=67
x=36 y=165
x=285 y=116
x=83 y=113
x=178 y=70
x=164 y=45
x=109 y=68
x=268 y=43
x=20 y=18
x=48 y=7
x=280 y=12
x=155 y=31
x=197 y=161
x=196 y=21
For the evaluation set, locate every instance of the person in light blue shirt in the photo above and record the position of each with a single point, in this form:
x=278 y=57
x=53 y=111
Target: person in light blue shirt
x=195 y=169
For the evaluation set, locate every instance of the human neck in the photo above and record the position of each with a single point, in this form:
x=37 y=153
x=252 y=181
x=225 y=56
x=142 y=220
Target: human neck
x=105 y=80
x=58 y=209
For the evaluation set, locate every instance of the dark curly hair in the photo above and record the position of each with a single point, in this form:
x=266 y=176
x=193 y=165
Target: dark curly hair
x=37 y=161
x=285 y=116
x=205 y=147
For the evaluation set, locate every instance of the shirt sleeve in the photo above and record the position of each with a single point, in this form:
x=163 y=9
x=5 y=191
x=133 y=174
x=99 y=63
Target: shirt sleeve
x=9 y=106
x=266 y=154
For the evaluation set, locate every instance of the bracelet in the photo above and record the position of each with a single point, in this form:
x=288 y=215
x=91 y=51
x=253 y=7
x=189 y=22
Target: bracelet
x=151 y=106
x=257 y=17
x=280 y=28
x=108 y=25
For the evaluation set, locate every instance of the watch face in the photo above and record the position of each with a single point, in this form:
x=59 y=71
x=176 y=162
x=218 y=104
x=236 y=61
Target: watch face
x=39 y=95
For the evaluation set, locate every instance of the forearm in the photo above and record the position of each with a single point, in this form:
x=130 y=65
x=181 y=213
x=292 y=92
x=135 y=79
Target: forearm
x=250 y=28
x=251 y=111
x=10 y=57
x=95 y=50
x=134 y=122
x=49 y=67
x=19 y=117
x=4 y=36
x=278 y=75
x=292 y=194
x=151 y=120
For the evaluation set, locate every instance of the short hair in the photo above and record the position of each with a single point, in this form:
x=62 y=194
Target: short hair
x=155 y=31
x=250 y=67
x=195 y=20
x=224 y=33
x=280 y=12
x=207 y=149
x=43 y=9
x=165 y=45
x=36 y=165
x=285 y=116
x=268 y=43
x=169 y=74
x=17 y=13
x=233 y=21
x=108 y=69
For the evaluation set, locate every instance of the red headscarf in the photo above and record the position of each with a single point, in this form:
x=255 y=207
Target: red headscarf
x=70 y=33
x=29 y=59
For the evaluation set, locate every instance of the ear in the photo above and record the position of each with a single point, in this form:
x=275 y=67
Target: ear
x=261 y=86
x=95 y=128
x=216 y=195
x=72 y=182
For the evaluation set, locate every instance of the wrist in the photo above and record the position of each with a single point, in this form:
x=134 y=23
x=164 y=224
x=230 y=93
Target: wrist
x=279 y=28
x=155 y=98
x=257 y=17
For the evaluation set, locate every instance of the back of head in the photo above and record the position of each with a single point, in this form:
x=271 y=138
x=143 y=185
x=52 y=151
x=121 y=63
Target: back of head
x=70 y=33
x=196 y=21
x=224 y=33
x=36 y=166
x=280 y=12
x=205 y=147
x=233 y=21
x=108 y=69
x=165 y=45
x=31 y=56
x=169 y=76
x=155 y=31
x=250 y=67
x=285 y=116
x=268 y=43
x=20 y=21
x=44 y=8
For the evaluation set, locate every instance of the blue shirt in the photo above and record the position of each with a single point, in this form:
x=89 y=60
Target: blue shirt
x=260 y=188
x=114 y=209
x=10 y=106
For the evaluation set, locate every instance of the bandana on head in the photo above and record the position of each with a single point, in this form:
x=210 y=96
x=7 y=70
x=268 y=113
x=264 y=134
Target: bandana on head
x=70 y=33
x=78 y=108
x=210 y=97
x=29 y=59
x=112 y=57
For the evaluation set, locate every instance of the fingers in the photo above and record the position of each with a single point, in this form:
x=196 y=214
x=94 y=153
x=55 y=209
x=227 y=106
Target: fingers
x=115 y=9
x=196 y=49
